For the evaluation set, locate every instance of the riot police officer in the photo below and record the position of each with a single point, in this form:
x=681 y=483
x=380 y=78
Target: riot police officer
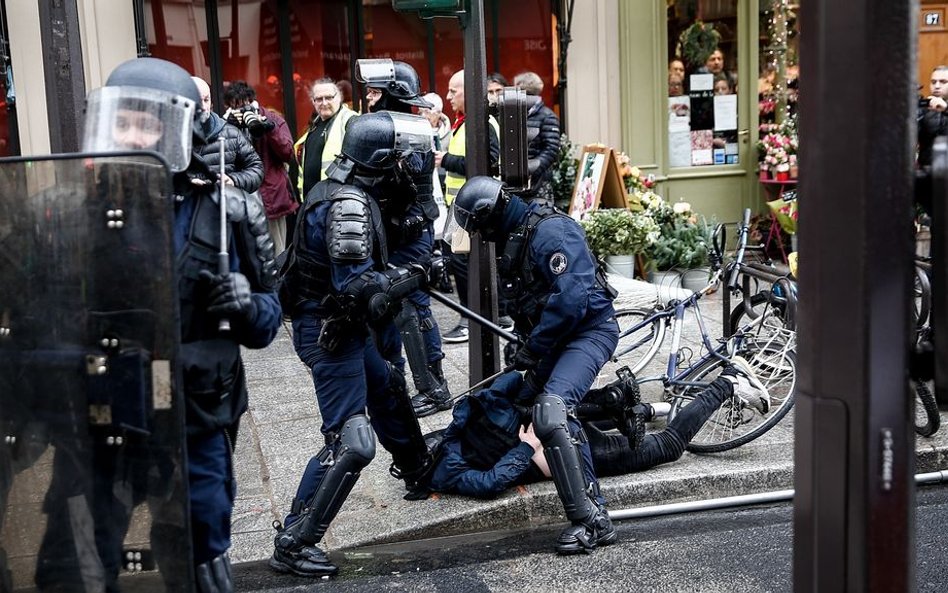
x=409 y=214
x=135 y=110
x=343 y=289
x=562 y=307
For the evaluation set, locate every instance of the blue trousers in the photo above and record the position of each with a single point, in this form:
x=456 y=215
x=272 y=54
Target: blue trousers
x=212 y=490
x=350 y=380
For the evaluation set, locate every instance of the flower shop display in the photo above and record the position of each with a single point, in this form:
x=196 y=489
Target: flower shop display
x=777 y=150
x=565 y=169
x=683 y=238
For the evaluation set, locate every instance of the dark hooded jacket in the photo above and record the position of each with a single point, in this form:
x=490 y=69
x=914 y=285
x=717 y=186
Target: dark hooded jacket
x=241 y=162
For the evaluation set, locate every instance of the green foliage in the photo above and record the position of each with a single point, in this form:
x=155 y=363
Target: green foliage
x=564 y=174
x=682 y=244
x=683 y=238
x=697 y=43
x=617 y=231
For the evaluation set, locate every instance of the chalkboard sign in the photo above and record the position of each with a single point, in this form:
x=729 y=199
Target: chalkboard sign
x=598 y=182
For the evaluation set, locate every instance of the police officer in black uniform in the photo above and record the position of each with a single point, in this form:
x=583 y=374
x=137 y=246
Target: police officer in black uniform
x=244 y=294
x=562 y=307
x=409 y=214
x=342 y=290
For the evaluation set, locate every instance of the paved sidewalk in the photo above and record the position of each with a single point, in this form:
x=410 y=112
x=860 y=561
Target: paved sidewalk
x=281 y=432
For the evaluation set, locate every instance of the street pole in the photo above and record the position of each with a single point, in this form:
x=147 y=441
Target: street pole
x=854 y=446
x=483 y=346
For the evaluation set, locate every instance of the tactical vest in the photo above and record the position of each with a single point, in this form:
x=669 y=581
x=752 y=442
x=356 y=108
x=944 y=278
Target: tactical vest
x=306 y=277
x=518 y=282
x=453 y=181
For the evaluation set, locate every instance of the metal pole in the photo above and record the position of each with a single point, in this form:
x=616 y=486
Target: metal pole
x=854 y=521
x=62 y=66
x=482 y=275
x=737 y=501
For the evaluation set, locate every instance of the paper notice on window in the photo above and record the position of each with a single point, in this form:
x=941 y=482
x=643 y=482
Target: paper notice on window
x=725 y=112
x=679 y=148
x=701 y=82
x=679 y=114
x=702 y=143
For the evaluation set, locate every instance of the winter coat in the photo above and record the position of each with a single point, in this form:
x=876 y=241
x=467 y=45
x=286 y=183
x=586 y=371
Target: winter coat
x=275 y=148
x=241 y=162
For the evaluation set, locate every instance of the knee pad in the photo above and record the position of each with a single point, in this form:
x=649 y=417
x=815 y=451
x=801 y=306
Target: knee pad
x=356 y=439
x=549 y=416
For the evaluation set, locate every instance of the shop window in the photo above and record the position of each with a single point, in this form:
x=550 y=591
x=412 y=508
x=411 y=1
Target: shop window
x=702 y=83
x=398 y=36
x=177 y=31
x=525 y=42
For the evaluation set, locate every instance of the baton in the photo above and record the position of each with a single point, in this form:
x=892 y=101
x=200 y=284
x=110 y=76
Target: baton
x=486 y=381
x=223 y=258
x=488 y=324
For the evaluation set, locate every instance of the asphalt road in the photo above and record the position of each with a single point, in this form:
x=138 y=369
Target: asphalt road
x=747 y=550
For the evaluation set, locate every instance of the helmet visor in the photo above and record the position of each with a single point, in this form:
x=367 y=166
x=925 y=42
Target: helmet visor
x=122 y=118
x=375 y=71
x=413 y=133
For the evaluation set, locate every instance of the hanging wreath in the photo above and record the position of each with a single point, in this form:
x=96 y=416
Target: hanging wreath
x=697 y=43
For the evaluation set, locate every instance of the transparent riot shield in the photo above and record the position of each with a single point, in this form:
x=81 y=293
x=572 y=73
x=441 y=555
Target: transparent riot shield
x=93 y=492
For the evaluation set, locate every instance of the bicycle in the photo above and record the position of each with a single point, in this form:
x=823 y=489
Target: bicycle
x=927 y=416
x=771 y=356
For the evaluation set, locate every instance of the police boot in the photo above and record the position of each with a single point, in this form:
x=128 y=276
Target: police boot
x=291 y=555
x=584 y=535
x=436 y=399
x=214 y=576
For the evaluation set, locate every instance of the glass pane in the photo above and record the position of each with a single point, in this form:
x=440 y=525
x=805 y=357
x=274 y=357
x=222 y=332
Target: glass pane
x=525 y=32
x=176 y=31
x=702 y=83
x=399 y=36
x=779 y=60
x=319 y=34
x=449 y=45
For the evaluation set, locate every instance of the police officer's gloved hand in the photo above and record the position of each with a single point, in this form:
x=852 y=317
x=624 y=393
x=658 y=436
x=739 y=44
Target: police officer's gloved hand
x=229 y=295
x=525 y=360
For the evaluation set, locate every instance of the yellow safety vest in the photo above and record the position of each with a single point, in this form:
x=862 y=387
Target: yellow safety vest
x=331 y=148
x=452 y=181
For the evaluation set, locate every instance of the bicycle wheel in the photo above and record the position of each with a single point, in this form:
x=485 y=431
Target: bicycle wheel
x=735 y=422
x=637 y=348
x=927 y=418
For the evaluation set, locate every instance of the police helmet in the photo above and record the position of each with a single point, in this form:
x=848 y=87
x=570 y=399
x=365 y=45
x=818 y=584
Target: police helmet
x=377 y=141
x=398 y=79
x=479 y=206
x=146 y=104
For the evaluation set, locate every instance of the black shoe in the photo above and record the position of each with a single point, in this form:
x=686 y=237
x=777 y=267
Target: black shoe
x=417 y=481
x=506 y=322
x=582 y=537
x=458 y=335
x=430 y=402
x=291 y=556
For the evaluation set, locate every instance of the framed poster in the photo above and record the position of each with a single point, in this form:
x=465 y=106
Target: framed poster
x=598 y=182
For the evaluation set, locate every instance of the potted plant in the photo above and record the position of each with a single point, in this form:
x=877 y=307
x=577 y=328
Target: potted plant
x=564 y=173
x=617 y=235
x=681 y=245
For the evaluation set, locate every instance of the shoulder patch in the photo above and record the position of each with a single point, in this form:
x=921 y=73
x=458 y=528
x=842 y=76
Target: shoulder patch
x=558 y=263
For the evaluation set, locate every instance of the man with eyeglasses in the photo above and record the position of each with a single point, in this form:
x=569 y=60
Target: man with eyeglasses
x=323 y=137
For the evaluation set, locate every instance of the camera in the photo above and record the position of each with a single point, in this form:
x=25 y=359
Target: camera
x=923 y=102
x=249 y=118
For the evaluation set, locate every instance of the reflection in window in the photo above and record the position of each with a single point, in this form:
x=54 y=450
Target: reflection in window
x=779 y=69
x=702 y=83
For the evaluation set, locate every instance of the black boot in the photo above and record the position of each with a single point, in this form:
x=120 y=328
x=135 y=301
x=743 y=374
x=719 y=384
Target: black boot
x=417 y=476
x=291 y=555
x=437 y=399
x=583 y=536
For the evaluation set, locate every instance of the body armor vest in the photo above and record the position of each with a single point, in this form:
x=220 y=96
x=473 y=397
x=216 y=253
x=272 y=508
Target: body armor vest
x=519 y=283
x=308 y=277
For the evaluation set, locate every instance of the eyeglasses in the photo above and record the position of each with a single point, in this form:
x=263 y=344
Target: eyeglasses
x=324 y=99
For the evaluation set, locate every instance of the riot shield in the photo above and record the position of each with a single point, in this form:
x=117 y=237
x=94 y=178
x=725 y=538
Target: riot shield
x=93 y=492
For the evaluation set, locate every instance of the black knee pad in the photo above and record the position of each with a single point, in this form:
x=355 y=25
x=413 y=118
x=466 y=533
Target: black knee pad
x=549 y=416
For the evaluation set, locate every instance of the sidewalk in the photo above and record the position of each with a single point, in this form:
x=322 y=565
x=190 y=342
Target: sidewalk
x=280 y=433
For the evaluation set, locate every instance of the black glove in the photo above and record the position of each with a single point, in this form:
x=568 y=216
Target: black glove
x=436 y=269
x=525 y=360
x=229 y=295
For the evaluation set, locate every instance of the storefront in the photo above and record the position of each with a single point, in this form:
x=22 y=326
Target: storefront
x=697 y=82
x=281 y=46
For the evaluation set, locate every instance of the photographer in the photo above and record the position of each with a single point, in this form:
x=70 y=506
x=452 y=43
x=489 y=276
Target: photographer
x=242 y=166
x=272 y=140
x=932 y=122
